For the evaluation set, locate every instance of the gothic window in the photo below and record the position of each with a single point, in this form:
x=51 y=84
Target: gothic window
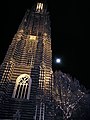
x=39 y=7
x=22 y=87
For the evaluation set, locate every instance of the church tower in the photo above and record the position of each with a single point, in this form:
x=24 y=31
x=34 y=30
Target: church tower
x=26 y=72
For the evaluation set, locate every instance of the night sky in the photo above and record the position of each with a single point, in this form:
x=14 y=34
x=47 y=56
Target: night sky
x=69 y=32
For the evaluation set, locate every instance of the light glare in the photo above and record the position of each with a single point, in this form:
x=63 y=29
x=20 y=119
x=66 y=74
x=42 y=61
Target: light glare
x=58 y=60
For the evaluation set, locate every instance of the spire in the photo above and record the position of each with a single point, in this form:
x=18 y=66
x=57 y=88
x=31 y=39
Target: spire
x=41 y=5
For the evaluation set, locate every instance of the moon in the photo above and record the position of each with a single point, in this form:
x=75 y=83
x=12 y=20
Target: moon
x=58 y=60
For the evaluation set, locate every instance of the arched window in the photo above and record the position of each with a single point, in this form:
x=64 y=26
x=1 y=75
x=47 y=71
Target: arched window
x=39 y=7
x=22 y=87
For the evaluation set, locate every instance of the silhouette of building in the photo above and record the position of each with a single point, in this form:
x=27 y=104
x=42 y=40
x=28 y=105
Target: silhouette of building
x=26 y=72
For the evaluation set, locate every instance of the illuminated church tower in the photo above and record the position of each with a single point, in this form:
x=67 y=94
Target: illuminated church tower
x=26 y=72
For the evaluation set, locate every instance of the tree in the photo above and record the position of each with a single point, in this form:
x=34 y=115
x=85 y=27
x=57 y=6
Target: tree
x=69 y=96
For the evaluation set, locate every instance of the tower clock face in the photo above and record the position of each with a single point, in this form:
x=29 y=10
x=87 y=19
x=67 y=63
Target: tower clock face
x=23 y=79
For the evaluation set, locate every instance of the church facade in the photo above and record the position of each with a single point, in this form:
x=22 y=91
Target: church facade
x=26 y=77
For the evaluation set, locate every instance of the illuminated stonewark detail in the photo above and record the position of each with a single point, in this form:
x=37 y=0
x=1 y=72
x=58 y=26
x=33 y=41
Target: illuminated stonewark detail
x=33 y=37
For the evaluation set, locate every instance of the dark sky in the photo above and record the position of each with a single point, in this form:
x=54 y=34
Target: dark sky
x=70 y=33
